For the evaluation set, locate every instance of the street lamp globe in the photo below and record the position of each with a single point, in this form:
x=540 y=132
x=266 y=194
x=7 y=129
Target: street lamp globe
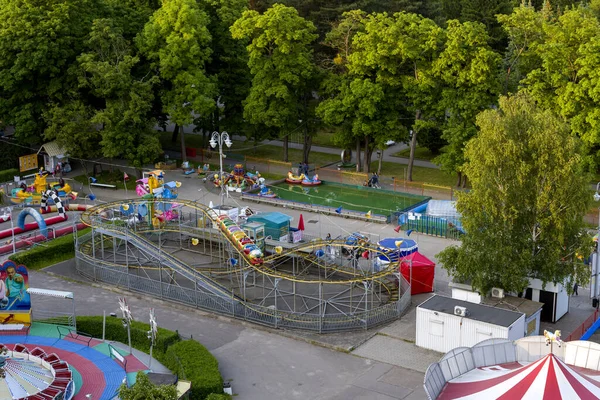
x=213 y=143
x=596 y=196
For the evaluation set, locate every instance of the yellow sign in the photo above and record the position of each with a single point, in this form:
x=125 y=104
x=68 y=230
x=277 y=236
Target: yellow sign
x=28 y=162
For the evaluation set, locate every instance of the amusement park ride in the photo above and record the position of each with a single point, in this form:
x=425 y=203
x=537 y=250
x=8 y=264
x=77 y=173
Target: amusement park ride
x=202 y=257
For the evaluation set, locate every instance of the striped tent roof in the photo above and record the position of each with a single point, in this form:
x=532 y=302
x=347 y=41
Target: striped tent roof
x=547 y=378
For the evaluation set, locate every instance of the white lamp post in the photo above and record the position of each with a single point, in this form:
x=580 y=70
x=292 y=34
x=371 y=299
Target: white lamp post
x=218 y=139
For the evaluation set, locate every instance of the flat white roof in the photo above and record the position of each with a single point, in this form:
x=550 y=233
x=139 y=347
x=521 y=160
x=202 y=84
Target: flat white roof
x=51 y=293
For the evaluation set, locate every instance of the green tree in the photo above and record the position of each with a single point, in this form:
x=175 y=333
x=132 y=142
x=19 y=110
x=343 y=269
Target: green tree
x=125 y=100
x=486 y=12
x=467 y=70
x=143 y=389
x=39 y=42
x=398 y=52
x=525 y=31
x=524 y=215
x=229 y=65
x=281 y=64
x=567 y=78
x=177 y=42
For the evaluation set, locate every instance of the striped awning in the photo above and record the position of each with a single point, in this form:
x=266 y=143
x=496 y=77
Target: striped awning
x=547 y=378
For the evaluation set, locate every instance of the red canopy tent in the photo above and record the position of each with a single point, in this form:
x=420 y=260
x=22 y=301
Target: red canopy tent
x=423 y=272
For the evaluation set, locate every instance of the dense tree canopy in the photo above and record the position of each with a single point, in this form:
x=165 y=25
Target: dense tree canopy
x=280 y=61
x=523 y=215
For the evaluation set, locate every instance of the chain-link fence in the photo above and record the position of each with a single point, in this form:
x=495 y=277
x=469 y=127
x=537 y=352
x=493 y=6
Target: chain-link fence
x=118 y=276
x=268 y=166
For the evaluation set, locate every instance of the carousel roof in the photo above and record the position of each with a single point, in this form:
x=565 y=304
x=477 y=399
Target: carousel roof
x=547 y=378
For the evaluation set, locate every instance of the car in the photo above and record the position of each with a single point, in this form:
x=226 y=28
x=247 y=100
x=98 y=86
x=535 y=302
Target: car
x=390 y=143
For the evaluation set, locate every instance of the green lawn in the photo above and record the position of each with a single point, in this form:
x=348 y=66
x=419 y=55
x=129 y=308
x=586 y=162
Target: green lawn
x=420 y=174
x=270 y=152
x=110 y=178
x=421 y=153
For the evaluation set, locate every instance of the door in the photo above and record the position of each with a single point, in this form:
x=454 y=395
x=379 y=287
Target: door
x=548 y=298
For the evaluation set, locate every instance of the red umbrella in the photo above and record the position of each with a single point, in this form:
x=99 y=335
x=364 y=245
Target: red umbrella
x=301 y=223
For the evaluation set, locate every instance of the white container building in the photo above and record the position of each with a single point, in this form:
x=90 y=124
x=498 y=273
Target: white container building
x=444 y=323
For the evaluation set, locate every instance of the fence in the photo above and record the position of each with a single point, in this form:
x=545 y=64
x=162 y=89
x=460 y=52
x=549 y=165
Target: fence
x=581 y=329
x=98 y=271
x=345 y=177
x=268 y=166
x=435 y=226
x=437 y=192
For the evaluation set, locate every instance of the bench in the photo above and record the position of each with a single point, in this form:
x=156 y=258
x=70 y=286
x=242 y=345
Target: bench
x=115 y=355
x=64 y=332
x=104 y=185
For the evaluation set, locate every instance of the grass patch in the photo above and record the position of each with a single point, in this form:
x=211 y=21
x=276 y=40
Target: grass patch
x=191 y=140
x=420 y=174
x=50 y=253
x=421 y=153
x=110 y=178
x=270 y=152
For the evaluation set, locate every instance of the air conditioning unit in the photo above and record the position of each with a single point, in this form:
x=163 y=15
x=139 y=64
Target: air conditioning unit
x=498 y=293
x=460 y=311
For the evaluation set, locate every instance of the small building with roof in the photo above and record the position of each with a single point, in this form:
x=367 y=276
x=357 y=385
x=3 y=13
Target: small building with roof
x=277 y=225
x=53 y=153
x=444 y=323
x=531 y=309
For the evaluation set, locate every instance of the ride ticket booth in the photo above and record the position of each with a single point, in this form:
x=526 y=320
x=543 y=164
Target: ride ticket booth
x=256 y=232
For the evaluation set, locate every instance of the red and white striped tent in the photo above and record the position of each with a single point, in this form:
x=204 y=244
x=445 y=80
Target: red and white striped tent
x=548 y=378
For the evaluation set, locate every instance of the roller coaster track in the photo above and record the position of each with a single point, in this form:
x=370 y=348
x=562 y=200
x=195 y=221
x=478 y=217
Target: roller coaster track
x=95 y=216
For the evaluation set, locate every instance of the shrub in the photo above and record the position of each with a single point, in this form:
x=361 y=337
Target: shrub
x=139 y=333
x=192 y=360
x=221 y=396
x=52 y=252
x=8 y=175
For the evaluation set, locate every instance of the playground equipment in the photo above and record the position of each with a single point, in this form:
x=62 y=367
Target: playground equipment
x=34 y=193
x=154 y=186
x=41 y=224
x=204 y=259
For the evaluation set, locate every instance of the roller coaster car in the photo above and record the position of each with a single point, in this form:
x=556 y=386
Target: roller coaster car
x=356 y=239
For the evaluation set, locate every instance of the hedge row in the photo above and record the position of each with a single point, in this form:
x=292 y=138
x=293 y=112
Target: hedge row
x=52 y=252
x=199 y=366
x=8 y=175
x=187 y=359
x=222 y=396
x=139 y=333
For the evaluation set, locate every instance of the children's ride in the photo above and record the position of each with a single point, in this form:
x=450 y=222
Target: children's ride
x=291 y=178
x=303 y=179
x=154 y=186
x=238 y=179
x=311 y=182
x=33 y=193
x=251 y=251
x=266 y=192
